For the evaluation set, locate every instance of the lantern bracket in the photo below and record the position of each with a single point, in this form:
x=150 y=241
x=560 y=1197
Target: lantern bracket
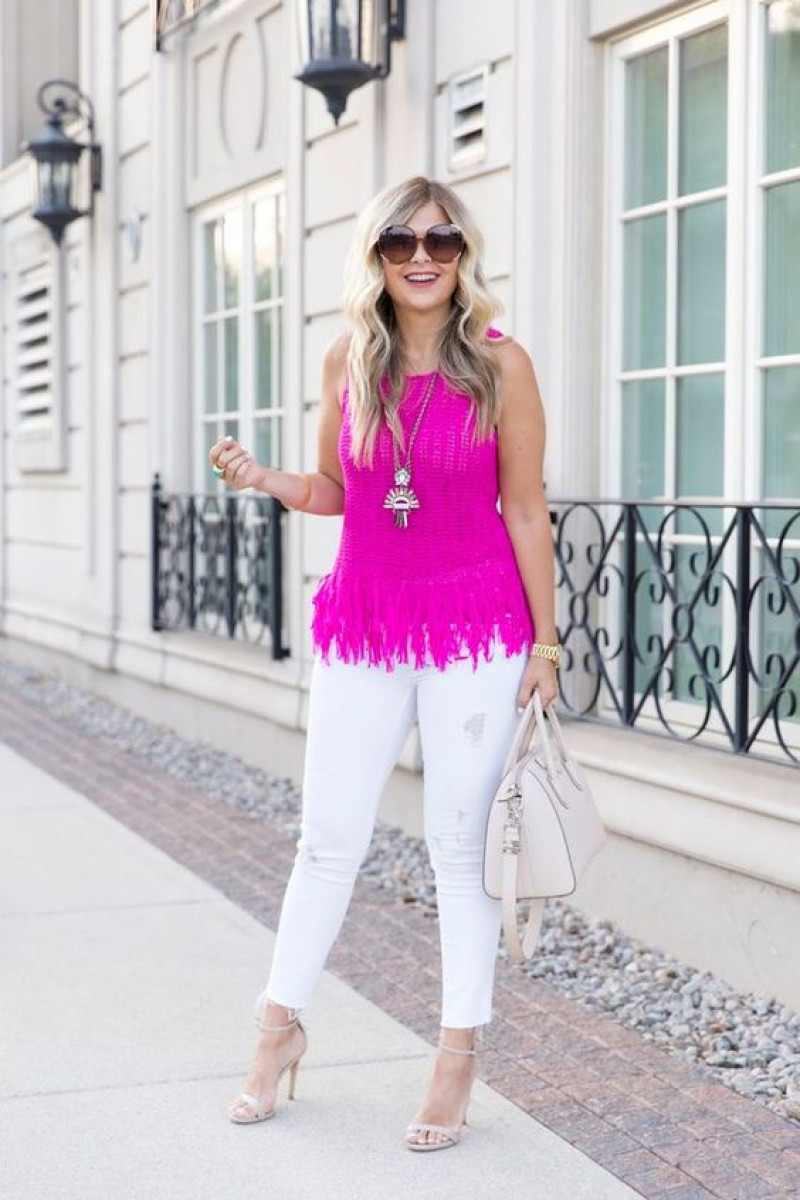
x=75 y=104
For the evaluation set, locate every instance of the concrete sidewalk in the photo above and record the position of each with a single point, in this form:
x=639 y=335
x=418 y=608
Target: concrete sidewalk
x=128 y=986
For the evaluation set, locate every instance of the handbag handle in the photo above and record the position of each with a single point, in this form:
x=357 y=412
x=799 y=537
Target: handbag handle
x=533 y=719
x=555 y=728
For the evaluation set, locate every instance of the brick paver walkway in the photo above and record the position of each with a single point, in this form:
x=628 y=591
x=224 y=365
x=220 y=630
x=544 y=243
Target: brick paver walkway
x=642 y=1113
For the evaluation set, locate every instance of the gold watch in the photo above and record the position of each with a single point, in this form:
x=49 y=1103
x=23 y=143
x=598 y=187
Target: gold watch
x=553 y=653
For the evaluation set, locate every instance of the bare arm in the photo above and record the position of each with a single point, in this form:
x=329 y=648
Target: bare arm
x=320 y=492
x=521 y=442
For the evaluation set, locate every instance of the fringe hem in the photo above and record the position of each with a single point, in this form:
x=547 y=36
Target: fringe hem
x=421 y=619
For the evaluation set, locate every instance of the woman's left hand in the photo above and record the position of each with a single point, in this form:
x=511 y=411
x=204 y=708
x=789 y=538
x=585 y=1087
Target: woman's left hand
x=541 y=673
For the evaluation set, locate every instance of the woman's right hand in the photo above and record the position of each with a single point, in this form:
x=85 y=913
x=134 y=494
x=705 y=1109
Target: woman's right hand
x=240 y=469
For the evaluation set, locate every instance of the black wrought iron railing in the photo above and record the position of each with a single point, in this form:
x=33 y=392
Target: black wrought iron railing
x=683 y=618
x=217 y=565
x=677 y=618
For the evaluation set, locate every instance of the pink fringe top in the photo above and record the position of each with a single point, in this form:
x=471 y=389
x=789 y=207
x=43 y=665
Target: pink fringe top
x=448 y=584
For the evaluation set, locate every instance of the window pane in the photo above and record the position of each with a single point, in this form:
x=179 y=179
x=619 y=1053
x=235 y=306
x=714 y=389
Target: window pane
x=232 y=246
x=232 y=364
x=212 y=432
x=781 y=460
x=703 y=91
x=264 y=247
x=280 y=256
x=645 y=292
x=782 y=132
x=264 y=327
x=700 y=449
x=646 y=128
x=701 y=283
x=211 y=263
x=210 y=436
x=782 y=265
x=642 y=439
x=699 y=471
x=267 y=450
x=210 y=333
x=700 y=435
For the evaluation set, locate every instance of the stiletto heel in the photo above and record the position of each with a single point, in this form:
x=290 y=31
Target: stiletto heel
x=292 y=1077
x=256 y=1110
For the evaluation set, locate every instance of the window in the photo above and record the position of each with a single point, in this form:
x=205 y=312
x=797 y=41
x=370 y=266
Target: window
x=776 y=238
x=172 y=15
x=703 y=332
x=240 y=250
x=692 y=276
x=673 y=240
x=778 y=182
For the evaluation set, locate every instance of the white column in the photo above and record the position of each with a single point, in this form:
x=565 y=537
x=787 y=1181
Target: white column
x=558 y=229
x=96 y=238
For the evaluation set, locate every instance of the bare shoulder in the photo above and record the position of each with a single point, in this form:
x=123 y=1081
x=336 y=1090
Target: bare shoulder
x=513 y=358
x=338 y=346
x=520 y=399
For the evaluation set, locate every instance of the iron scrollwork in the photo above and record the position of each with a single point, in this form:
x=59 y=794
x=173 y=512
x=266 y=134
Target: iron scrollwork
x=217 y=566
x=683 y=618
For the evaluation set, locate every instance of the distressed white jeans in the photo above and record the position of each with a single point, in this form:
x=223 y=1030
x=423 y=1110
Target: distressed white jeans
x=359 y=717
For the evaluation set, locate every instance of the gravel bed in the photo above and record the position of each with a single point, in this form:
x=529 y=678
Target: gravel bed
x=750 y=1043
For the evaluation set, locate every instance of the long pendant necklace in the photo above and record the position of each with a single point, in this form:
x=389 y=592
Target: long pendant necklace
x=402 y=498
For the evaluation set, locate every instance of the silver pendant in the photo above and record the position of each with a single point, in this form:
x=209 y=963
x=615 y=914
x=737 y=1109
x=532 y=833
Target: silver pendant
x=401 y=498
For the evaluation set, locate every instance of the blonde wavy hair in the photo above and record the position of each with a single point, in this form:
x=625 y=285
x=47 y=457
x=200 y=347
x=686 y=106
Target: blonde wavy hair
x=464 y=355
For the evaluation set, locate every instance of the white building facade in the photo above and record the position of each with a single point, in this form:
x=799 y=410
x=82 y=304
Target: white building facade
x=635 y=167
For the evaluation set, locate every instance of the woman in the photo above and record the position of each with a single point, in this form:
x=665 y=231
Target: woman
x=431 y=611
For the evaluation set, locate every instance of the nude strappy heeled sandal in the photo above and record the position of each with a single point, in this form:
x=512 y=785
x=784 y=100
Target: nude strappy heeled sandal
x=452 y=1133
x=256 y=1110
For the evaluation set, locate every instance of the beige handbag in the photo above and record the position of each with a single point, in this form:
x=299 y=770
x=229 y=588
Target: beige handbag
x=543 y=828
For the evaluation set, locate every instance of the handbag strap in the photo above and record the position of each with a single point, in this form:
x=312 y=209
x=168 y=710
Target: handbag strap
x=522 y=736
x=519 y=949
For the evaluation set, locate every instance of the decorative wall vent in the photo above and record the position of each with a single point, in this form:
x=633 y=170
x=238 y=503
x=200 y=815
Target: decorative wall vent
x=34 y=345
x=468 y=117
x=39 y=375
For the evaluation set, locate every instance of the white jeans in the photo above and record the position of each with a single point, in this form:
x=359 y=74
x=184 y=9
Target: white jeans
x=359 y=717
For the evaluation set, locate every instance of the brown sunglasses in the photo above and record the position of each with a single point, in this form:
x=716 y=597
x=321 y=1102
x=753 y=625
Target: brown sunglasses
x=398 y=243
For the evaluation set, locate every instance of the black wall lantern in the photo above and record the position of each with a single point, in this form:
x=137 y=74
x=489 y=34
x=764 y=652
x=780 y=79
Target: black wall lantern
x=345 y=44
x=56 y=156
